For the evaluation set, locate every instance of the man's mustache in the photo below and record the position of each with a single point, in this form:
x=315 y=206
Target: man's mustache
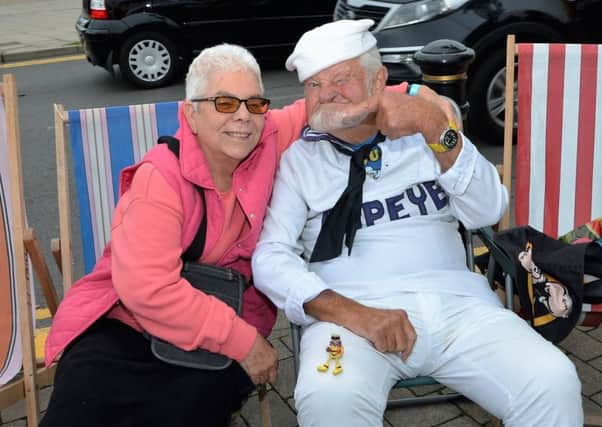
x=336 y=116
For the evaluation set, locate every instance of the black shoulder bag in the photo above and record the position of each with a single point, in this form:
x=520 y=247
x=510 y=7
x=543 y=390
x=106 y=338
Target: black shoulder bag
x=226 y=284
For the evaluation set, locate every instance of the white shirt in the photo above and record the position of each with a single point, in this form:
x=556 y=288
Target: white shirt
x=409 y=239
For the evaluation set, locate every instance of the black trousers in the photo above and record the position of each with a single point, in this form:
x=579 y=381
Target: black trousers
x=108 y=377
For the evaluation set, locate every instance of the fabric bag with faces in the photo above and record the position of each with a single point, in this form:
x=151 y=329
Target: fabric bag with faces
x=550 y=278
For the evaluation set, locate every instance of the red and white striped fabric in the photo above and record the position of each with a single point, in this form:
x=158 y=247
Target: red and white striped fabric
x=559 y=149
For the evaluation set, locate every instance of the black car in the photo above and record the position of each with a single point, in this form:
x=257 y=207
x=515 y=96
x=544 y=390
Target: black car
x=405 y=26
x=152 y=41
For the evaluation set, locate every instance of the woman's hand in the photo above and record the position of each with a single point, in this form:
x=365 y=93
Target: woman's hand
x=261 y=364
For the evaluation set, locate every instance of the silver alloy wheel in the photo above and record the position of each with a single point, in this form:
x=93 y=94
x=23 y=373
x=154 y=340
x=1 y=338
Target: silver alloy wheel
x=496 y=98
x=149 y=60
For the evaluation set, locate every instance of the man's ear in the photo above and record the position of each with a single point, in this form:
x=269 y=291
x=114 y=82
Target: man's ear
x=380 y=79
x=188 y=113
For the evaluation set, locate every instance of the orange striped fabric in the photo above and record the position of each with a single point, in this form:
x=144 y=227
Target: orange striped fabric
x=10 y=344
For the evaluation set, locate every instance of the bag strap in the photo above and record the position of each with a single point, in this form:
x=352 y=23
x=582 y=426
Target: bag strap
x=195 y=250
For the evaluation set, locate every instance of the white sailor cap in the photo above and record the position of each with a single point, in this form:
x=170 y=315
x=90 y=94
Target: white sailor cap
x=330 y=44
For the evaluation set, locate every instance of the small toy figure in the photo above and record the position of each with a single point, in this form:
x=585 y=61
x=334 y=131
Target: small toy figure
x=335 y=351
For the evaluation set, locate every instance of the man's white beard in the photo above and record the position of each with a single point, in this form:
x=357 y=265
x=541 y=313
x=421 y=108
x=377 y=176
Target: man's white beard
x=333 y=117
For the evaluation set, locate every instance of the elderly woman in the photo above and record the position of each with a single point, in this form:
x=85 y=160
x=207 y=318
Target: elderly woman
x=229 y=146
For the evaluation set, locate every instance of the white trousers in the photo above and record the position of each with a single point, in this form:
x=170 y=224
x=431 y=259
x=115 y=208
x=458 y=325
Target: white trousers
x=478 y=348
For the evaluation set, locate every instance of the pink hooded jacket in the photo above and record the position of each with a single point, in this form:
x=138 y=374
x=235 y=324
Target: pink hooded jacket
x=175 y=311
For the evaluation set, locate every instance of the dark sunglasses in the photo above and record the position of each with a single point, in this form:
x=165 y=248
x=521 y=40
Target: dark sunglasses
x=231 y=104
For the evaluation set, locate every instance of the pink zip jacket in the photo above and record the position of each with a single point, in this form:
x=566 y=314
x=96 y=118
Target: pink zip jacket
x=145 y=285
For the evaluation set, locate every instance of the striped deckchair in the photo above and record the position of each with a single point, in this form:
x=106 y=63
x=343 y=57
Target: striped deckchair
x=103 y=142
x=559 y=139
x=17 y=349
x=559 y=143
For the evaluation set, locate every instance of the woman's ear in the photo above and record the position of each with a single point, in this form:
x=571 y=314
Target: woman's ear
x=189 y=114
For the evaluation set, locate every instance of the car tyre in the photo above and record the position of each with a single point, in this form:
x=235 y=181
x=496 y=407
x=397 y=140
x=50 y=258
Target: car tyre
x=487 y=81
x=149 y=60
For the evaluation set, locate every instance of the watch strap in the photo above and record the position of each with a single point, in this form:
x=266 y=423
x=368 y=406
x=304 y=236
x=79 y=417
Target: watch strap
x=438 y=147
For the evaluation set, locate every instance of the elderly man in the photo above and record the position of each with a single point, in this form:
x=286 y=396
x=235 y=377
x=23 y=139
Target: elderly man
x=383 y=267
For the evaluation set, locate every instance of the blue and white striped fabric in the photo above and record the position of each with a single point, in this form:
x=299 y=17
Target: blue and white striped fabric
x=103 y=142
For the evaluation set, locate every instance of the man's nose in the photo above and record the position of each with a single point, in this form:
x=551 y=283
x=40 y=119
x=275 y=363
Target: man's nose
x=327 y=94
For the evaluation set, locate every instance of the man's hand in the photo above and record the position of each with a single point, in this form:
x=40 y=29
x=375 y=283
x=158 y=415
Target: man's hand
x=449 y=107
x=400 y=115
x=389 y=330
x=261 y=364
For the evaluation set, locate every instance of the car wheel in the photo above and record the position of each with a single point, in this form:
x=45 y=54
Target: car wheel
x=149 y=60
x=487 y=80
x=487 y=98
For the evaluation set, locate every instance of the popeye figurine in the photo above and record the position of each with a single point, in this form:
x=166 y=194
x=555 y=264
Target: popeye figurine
x=335 y=351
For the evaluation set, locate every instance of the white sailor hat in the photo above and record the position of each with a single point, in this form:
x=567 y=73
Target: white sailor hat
x=330 y=44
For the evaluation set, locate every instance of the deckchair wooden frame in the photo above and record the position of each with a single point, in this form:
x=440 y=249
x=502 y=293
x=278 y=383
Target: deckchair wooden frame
x=24 y=242
x=61 y=247
x=506 y=167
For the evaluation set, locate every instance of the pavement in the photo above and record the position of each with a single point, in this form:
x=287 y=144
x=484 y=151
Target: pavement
x=37 y=29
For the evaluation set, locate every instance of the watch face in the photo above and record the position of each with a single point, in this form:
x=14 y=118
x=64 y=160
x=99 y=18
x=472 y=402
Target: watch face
x=450 y=139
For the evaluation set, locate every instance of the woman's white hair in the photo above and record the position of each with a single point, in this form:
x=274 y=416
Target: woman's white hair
x=221 y=58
